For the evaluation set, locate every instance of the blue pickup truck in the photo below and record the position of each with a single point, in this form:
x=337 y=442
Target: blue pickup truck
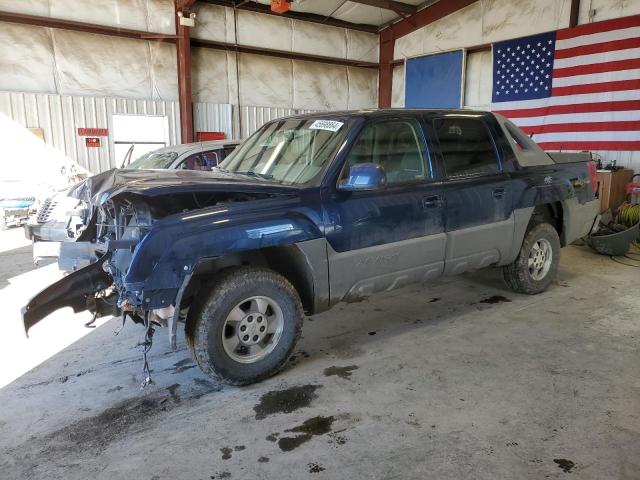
x=317 y=209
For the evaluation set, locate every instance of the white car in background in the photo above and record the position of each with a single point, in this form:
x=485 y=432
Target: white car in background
x=61 y=218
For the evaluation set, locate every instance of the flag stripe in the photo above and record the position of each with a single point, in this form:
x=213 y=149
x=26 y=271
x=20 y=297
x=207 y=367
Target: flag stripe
x=569 y=100
x=614 y=66
x=615 y=146
x=583 y=127
x=599 y=48
x=597 y=27
x=593 y=78
x=597 y=87
x=595 y=58
x=600 y=37
x=631 y=115
x=628 y=105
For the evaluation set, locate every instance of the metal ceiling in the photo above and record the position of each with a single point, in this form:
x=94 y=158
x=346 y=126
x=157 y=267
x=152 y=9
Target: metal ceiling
x=358 y=12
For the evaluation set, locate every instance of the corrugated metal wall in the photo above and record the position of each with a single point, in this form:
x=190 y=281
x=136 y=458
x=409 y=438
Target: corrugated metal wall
x=59 y=116
x=253 y=118
x=213 y=117
x=236 y=122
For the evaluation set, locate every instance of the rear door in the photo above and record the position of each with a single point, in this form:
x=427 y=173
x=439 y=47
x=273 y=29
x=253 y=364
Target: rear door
x=477 y=192
x=385 y=238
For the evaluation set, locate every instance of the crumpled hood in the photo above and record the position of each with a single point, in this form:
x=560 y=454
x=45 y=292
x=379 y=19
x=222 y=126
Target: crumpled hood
x=98 y=189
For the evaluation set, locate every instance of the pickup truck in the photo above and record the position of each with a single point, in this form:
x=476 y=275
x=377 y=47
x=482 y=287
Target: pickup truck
x=316 y=209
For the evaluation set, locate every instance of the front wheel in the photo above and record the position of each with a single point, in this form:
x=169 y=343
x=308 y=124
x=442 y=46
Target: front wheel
x=246 y=326
x=537 y=263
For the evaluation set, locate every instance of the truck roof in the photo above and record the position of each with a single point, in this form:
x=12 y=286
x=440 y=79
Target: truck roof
x=384 y=112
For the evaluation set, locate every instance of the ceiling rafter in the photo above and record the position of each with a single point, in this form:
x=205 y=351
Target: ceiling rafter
x=400 y=8
x=304 y=16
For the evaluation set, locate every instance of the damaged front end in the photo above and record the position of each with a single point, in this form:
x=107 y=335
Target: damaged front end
x=117 y=227
x=147 y=238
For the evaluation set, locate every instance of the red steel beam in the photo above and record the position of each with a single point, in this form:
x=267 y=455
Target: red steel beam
x=574 y=13
x=268 y=52
x=183 y=52
x=23 y=19
x=385 y=74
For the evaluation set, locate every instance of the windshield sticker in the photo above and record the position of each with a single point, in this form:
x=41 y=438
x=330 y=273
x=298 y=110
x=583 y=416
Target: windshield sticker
x=330 y=125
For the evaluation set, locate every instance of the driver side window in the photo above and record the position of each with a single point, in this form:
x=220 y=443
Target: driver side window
x=397 y=146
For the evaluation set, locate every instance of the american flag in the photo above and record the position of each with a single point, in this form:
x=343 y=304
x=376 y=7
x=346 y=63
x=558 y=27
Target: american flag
x=573 y=89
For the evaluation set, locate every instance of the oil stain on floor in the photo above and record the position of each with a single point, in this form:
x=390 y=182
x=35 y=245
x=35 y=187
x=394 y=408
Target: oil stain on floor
x=342 y=372
x=285 y=401
x=313 y=426
x=495 y=299
x=564 y=464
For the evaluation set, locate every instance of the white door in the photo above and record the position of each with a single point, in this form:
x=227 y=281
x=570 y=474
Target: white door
x=144 y=132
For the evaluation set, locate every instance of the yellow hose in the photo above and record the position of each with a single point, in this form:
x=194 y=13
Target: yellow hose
x=629 y=214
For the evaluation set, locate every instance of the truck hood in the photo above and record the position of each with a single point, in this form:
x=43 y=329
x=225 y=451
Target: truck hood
x=151 y=183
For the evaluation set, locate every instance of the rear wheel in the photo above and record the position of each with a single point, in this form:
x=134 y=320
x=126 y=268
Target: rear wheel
x=537 y=263
x=246 y=327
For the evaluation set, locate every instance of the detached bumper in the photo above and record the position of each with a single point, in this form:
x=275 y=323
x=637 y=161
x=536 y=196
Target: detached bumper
x=77 y=290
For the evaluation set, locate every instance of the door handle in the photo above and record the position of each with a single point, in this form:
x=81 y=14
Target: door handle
x=498 y=193
x=431 y=201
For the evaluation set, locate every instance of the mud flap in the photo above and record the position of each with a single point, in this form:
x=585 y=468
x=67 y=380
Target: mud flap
x=75 y=291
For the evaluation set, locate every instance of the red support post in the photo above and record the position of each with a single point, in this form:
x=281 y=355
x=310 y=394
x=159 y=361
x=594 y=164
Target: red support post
x=183 y=50
x=574 y=13
x=385 y=76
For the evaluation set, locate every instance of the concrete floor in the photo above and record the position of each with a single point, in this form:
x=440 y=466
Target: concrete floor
x=442 y=381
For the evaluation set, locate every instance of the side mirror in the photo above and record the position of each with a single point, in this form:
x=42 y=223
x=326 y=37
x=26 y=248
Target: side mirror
x=364 y=176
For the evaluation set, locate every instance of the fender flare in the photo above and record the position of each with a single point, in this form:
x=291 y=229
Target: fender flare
x=308 y=272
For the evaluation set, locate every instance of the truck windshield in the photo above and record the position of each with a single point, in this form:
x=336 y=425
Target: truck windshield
x=290 y=151
x=153 y=160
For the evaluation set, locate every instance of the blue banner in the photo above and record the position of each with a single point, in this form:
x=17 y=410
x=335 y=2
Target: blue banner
x=434 y=81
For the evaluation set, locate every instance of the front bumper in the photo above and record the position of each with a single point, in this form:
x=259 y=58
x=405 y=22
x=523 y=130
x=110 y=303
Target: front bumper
x=47 y=232
x=77 y=290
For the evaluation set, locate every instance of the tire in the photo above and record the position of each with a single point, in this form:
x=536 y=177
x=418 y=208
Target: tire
x=236 y=300
x=522 y=277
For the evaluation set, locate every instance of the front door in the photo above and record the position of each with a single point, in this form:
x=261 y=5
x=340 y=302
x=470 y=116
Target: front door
x=385 y=238
x=477 y=193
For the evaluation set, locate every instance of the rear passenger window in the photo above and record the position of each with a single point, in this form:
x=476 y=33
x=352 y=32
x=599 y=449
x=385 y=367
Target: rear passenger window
x=397 y=146
x=467 y=147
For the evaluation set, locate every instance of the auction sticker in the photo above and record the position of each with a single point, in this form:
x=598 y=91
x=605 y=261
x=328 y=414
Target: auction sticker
x=330 y=125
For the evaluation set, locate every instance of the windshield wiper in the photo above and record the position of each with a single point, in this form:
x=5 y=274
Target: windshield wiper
x=251 y=173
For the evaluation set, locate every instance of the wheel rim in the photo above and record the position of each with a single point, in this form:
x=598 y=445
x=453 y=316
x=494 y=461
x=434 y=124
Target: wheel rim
x=540 y=259
x=252 y=329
